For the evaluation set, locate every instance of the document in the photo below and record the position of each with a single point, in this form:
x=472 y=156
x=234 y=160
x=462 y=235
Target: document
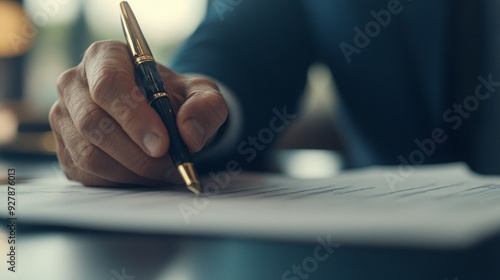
x=435 y=206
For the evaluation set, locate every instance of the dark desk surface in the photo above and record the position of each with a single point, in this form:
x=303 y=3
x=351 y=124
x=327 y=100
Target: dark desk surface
x=72 y=254
x=59 y=253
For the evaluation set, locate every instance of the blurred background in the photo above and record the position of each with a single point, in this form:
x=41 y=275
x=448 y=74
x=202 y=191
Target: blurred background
x=40 y=39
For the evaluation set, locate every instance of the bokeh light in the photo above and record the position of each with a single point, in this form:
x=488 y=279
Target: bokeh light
x=163 y=22
x=16 y=30
x=9 y=122
x=52 y=12
x=309 y=164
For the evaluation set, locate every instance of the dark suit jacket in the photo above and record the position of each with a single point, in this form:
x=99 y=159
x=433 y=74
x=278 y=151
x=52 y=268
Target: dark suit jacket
x=395 y=65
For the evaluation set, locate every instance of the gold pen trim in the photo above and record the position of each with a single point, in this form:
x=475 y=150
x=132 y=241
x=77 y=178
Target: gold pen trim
x=133 y=34
x=188 y=173
x=143 y=58
x=140 y=53
x=156 y=96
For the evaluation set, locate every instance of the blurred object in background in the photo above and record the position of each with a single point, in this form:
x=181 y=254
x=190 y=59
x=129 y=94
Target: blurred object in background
x=312 y=147
x=16 y=36
x=309 y=163
x=16 y=39
x=9 y=121
x=40 y=39
x=61 y=40
x=166 y=23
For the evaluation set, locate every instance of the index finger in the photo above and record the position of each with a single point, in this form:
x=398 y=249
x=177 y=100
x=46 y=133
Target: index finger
x=111 y=81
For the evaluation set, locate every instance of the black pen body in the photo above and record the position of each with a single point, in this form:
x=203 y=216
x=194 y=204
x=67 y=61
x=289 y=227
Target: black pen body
x=156 y=95
x=149 y=78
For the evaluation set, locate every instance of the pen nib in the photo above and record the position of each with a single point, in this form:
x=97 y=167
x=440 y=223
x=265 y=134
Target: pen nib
x=189 y=176
x=195 y=188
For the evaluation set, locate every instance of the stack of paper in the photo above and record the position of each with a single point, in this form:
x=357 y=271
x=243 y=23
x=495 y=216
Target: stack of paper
x=443 y=206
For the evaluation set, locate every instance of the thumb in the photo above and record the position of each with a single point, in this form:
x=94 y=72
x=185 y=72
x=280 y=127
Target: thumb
x=201 y=115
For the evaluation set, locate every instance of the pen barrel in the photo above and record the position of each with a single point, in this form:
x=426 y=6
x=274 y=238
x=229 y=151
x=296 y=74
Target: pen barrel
x=150 y=79
x=178 y=150
x=152 y=84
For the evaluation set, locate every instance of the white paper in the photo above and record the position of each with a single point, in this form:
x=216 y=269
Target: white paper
x=438 y=206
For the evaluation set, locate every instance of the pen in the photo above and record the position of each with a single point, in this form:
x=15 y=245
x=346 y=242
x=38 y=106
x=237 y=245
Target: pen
x=157 y=96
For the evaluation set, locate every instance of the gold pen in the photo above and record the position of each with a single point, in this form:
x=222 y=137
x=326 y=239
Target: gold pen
x=157 y=95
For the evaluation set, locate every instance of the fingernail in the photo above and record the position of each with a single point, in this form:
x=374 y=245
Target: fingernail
x=152 y=143
x=195 y=131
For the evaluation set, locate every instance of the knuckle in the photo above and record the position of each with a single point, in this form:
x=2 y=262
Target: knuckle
x=200 y=86
x=65 y=79
x=83 y=178
x=100 y=47
x=216 y=104
x=55 y=114
x=94 y=49
x=69 y=174
x=107 y=79
x=88 y=159
x=142 y=165
x=100 y=87
x=204 y=82
x=133 y=120
x=88 y=120
x=108 y=69
x=66 y=163
x=87 y=180
x=67 y=166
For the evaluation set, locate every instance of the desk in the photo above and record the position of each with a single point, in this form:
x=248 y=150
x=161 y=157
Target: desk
x=63 y=253
x=68 y=253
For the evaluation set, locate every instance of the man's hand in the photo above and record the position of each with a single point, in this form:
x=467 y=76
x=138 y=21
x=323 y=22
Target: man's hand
x=105 y=130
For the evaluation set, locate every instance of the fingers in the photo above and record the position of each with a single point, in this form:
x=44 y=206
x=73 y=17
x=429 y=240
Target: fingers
x=111 y=82
x=94 y=135
x=64 y=158
x=107 y=133
x=203 y=112
x=83 y=161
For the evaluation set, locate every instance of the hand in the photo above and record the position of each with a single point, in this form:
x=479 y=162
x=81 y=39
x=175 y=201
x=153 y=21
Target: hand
x=106 y=132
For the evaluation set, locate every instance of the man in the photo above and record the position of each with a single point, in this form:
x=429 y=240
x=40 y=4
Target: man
x=414 y=88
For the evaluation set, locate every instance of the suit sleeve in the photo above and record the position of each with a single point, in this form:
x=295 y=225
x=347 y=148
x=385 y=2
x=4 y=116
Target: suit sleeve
x=261 y=50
